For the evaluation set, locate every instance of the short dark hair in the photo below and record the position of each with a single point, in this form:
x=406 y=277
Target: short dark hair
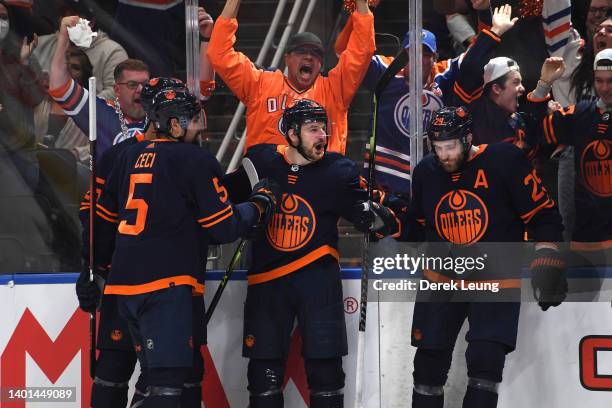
x=129 y=64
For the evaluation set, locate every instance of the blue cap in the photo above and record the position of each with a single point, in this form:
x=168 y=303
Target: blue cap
x=428 y=39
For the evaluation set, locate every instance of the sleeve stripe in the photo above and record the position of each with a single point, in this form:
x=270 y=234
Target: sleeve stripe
x=73 y=110
x=73 y=97
x=549 y=131
x=112 y=220
x=110 y=213
x=212 y=223
x=60 y=94
x=531 y=98
x=552 y=18
x=100 y=180
x=528 y=216
x=217 y=214
x=491 y=34
x=558 y=30
x=465 y=97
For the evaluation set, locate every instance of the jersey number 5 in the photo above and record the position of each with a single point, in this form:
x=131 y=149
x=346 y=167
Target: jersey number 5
x=137 y=204
x=537 y=190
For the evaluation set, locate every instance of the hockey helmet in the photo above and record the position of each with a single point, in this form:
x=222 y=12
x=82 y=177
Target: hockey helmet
x=450 y=123
x=155 y=85
x=173 y=103
x=303 y=111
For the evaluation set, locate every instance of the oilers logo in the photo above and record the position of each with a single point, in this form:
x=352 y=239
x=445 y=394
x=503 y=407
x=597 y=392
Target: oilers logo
x=131 y=132
x=432 y=102
x=461 y=217
x=293 y=224
x=596 y=166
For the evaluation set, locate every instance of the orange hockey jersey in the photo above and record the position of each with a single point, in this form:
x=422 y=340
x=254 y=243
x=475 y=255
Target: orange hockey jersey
x=266 y=94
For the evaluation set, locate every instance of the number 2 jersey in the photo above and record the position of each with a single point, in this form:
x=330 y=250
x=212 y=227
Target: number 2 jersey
x=161 y=204
x=304 y=228
x=494 y=196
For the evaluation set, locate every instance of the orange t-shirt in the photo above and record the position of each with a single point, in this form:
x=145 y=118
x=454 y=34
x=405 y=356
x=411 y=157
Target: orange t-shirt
x=266 y=94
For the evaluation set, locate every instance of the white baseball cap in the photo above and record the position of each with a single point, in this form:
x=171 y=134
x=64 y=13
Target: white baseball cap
x=498 y=67
x=603 y=60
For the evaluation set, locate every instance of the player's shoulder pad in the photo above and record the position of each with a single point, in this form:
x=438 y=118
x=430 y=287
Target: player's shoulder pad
x=340 y=167
x=504 y=154
x=263 y=154
x=112 y=154
x=427 y=163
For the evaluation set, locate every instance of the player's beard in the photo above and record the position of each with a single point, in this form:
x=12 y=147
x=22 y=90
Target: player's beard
x=314 y=153
x=453 y=165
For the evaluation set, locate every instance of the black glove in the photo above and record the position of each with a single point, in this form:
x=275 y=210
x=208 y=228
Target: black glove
x=373 y=217
x=266 y=194
x=548 y=280
x=89 y=293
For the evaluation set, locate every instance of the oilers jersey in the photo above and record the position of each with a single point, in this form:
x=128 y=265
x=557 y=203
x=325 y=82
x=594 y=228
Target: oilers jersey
x=587 y=128
x=103 y=169
x=493 y=124
x=304 y=228
x=483 y=202
x=158 y=200
x=72 y=97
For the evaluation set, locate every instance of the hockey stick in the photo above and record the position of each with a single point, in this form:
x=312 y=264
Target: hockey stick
x=92 y=212
x=398 y=63
x=251 y=172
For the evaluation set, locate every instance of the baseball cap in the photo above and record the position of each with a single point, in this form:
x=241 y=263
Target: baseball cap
x=302 y=39
x=498 y=67
x=427 y=37
x=603 y=60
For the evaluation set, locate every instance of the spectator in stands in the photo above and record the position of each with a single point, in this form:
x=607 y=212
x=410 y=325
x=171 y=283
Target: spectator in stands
x=492 y=94
x=117 y=118
x=267 y=93
x=596 y=14
x=20 y=87
x=104 y=53
x=586 y=126
x=574 y=86
x=52 y=127
x=393 y=145
x=152 y=31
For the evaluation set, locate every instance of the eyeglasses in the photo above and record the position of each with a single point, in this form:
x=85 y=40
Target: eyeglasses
x=598 y=10
x=133 y=84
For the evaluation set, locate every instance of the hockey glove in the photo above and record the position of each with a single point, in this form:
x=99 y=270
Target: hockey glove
x=89 y=293
x=548 y=280
x=376 y=218
x=265 y=195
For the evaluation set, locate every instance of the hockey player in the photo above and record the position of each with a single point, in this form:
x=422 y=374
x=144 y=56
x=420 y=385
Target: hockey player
x=161 y=204
x=296 y=271
x=116 y=361
x=586 y=127
x=464 y=194
x=266 y=94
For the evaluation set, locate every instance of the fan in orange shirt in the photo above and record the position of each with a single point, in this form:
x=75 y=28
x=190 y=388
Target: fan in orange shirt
x=266 y=94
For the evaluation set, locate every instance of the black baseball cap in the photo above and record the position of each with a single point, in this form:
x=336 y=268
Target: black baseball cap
x=304 y=39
